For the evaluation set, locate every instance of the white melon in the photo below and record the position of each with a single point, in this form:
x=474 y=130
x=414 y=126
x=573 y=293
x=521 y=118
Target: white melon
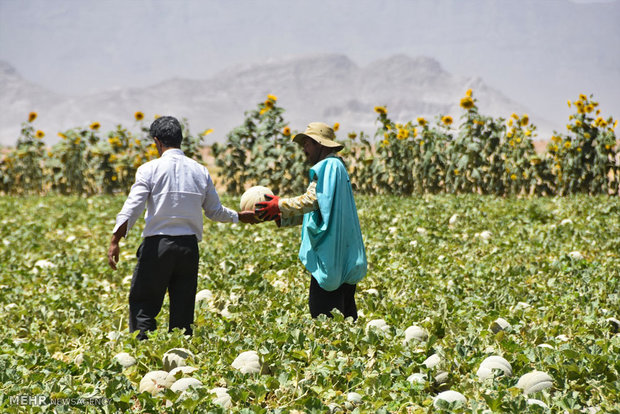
x=417 y=378
x=432 y=361
x=378 y=324
x=491 y=363
x=252 y=196
x=155 y=381
x=222 y=398
x=486 y=235
x=183 y=384
x=124 y=359
x=354 y=397
x=449 y=396
x=534 y=381
x=415 y=332
x=576 y=255
x=499 y=324
x=176 y=357
x=441 y=377
x=247 y=362
x=204 y=295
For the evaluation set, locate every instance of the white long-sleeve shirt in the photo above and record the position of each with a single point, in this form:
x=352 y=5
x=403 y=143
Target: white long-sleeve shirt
x=175 y=190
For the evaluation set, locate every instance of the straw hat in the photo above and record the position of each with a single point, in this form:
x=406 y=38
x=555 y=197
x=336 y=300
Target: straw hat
x=321 y=133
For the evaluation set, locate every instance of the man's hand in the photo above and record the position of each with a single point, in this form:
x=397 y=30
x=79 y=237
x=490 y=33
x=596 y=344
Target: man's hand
x=270 y=209
x=248 y=217
x=113 y=253
x=114 y=250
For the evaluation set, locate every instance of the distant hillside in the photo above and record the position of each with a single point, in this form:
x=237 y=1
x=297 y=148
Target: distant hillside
x=330 y=88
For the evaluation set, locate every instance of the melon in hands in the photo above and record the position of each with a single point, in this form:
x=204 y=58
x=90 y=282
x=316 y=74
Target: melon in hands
x=252 y=196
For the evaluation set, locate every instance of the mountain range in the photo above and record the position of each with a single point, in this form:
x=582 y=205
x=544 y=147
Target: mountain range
x=327 y=87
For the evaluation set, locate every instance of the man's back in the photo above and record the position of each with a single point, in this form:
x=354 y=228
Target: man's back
x=175 y=190
x=178 y=188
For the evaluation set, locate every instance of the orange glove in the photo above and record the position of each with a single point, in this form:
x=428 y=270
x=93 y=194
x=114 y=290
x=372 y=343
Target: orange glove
x=268 y=210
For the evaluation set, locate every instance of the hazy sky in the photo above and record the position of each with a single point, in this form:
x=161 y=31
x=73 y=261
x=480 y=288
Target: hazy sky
x=540 y=52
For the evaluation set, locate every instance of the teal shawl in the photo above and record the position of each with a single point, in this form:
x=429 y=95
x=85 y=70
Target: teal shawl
x=332 y=249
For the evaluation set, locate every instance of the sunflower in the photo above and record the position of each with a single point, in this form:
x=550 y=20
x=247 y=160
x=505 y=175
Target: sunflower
x=381 y=110
x=115 y=141
x=336 y=126
x=467 y=103
x=32 y=116
x=468 y=93
x=39 y=134
x=286 y=131
x=447 y=119
x=95 y=126
x=207 y=132
x=139 y=116
x=421 y=121
x=272 y=97
x=525 y=120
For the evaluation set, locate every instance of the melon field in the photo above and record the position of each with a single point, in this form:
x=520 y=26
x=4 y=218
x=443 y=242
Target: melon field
x=533 y=282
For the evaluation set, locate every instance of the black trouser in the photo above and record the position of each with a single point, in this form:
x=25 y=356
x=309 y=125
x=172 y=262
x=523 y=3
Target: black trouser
x=322 y=301
x=164 y=263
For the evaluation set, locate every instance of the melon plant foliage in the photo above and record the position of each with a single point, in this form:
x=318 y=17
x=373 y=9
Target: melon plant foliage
x=64 y=311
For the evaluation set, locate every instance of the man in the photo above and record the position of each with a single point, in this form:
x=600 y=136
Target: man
x=174 y=189
x=332 y=249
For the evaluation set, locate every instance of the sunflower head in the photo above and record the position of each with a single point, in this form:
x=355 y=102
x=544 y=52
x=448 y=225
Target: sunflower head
x=467 y=103
x=381 y=110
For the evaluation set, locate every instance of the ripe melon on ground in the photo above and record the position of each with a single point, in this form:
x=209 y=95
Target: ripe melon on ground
x=252 y=196
x=493 y=362
x=247 y=362
x=155 y=381
x=449 y=396
x=534 y=381
x=176 y=357
x=415 y=332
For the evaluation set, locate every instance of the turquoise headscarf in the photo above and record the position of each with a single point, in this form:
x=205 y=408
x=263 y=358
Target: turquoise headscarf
x=332 y=248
